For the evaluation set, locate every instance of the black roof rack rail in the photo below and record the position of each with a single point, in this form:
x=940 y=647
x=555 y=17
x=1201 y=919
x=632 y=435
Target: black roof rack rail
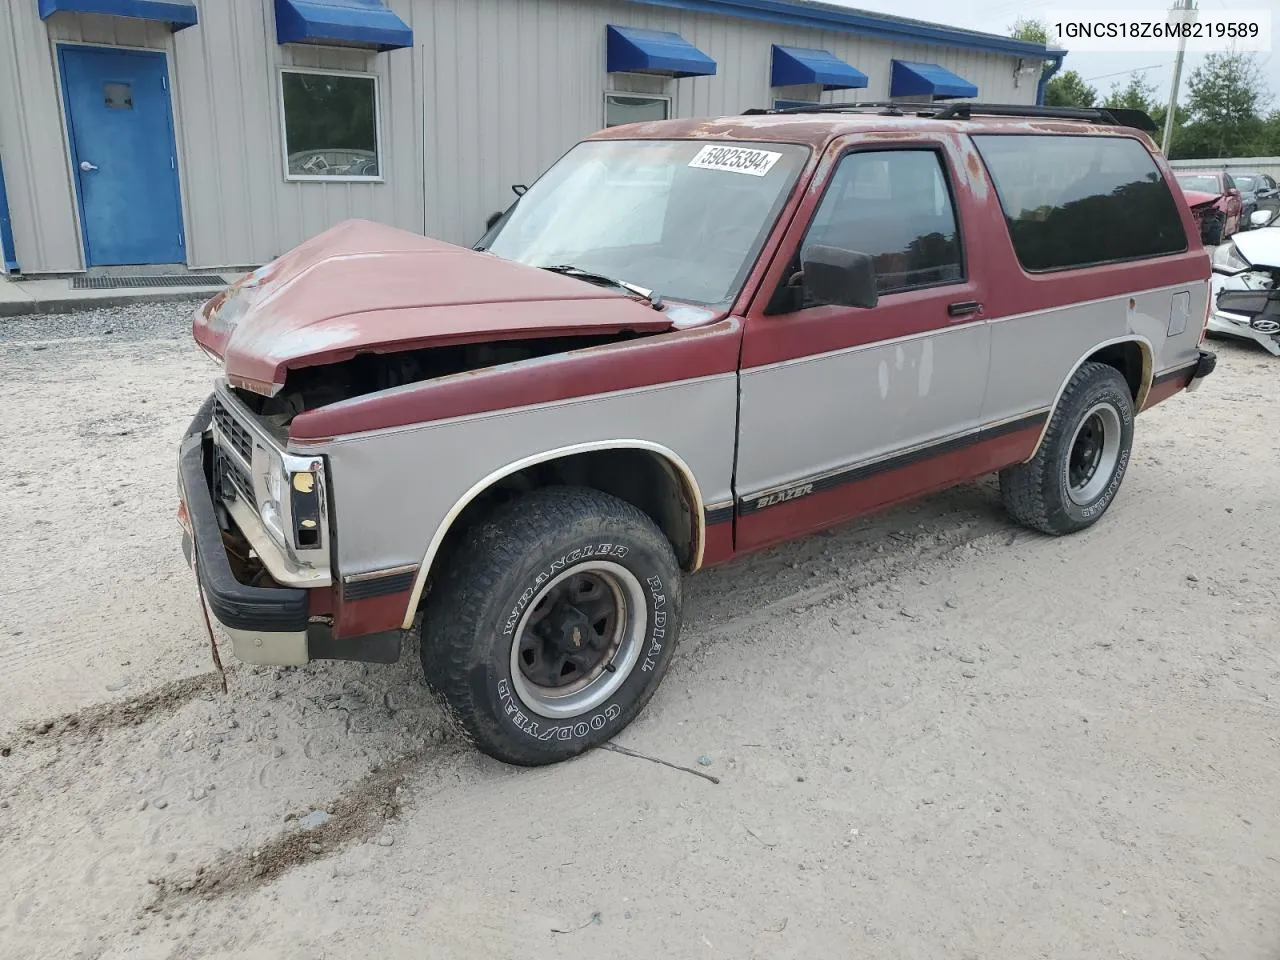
x=887 y=107
x=1117 y=117
x=967 y=109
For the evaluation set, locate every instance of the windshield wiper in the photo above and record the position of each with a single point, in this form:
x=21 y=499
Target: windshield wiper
x=569 y=270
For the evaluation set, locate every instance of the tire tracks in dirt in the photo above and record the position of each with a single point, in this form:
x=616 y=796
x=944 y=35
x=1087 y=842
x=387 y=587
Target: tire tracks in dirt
x=358 y=813
x=83 y=725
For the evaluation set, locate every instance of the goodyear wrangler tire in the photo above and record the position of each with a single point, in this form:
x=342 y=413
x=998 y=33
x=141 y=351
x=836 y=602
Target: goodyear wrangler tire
x=1077 y=472
x=554 y=626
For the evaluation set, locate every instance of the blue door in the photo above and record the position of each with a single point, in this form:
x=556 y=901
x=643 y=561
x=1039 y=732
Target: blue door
x=123 y=155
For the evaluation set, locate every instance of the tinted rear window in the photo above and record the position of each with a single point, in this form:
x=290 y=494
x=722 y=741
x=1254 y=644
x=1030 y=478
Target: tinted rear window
x=1077 y=201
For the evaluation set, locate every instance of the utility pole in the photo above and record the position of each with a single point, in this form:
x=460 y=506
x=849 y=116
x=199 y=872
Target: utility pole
x=1188 y=5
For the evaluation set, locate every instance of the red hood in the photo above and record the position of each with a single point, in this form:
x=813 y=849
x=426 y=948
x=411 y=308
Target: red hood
x=1198 y=198
x=363 y=287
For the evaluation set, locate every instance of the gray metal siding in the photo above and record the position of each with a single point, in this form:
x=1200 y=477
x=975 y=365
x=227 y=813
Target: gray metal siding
x=511 y=85
x=493 y=92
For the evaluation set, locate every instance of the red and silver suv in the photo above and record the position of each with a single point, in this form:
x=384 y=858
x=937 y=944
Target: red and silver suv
x=687 y=341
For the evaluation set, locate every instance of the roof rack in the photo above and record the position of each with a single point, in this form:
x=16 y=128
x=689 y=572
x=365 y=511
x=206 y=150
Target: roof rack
x=967 y=109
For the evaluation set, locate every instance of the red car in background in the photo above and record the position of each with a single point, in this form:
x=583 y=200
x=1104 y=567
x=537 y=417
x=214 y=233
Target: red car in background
x=1215 y=203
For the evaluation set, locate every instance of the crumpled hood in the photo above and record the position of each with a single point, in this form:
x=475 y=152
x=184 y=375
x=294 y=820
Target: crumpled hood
x=1261 y=247
x=1198 y=198
x=364 y=287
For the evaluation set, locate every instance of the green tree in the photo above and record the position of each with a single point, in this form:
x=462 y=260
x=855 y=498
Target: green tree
x=1225 y=99
x=1033 y=31
x=1069 y=90
x=1270 y=139
x=1137 y=94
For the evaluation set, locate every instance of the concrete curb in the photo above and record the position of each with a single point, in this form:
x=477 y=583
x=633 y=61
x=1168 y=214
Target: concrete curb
x=75 y=304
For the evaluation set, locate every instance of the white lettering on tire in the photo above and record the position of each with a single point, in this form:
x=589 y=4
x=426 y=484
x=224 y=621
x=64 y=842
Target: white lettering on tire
x=585 y=726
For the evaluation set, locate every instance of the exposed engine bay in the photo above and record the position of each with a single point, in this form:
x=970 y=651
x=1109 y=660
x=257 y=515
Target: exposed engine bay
x=308 y=388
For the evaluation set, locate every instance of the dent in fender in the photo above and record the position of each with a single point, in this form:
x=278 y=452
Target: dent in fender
x=690 y=483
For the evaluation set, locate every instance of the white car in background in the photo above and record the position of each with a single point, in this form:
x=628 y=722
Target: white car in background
x=1245 y=289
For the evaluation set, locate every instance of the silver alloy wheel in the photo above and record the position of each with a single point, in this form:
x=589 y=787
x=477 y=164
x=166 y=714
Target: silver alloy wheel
x=579 y=639
x=1093 y=453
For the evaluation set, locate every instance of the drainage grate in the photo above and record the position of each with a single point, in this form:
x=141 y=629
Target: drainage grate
x=115 y=283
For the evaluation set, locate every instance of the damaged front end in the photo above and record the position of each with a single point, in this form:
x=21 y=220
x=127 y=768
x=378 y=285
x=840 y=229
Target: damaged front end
x=1246 y=289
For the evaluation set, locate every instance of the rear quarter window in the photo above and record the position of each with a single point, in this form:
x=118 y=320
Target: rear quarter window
x=1080 y=201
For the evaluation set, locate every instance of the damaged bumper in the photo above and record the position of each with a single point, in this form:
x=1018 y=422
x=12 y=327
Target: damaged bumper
x=1252 y=314
x=267 y=625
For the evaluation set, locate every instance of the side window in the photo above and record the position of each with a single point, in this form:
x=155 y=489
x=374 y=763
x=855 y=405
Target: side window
x=894 y=205
x=1227 y=181
x=1075 y=201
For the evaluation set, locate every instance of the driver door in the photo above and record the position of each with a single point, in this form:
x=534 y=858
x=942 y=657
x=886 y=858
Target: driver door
x=844 y=410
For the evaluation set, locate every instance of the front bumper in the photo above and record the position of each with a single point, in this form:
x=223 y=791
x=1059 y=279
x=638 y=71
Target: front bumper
x=267 y=625
x=270 y=626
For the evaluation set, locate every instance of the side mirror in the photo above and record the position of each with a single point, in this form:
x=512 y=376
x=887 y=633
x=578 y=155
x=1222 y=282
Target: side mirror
x=842 y=278
x=1233 y=192
x=1260 y=218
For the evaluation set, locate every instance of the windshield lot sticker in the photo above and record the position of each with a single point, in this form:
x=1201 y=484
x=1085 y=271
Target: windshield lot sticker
x=735 y=160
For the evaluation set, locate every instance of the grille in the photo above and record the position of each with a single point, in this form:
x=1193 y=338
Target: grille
x=118 y=283
x=232 y=475
x=235 y=434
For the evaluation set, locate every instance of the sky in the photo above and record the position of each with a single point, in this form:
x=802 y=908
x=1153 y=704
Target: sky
x=1100 y=70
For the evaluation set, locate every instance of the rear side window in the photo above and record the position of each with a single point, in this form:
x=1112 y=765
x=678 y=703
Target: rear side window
x=1079 y=201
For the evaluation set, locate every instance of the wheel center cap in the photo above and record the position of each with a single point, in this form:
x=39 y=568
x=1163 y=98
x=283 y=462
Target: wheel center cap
x=571 y=629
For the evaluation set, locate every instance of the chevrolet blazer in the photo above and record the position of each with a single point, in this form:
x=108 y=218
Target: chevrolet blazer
x=686 y=341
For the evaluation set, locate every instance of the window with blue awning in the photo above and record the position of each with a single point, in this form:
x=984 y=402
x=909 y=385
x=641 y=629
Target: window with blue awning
x=797 y=66
x=370 y=24
x=657 y=52
x=910 y=79
x=178 y=14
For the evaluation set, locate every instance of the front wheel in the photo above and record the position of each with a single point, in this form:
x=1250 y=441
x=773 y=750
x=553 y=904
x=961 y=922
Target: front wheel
x=554 y=626
x=1076 y=473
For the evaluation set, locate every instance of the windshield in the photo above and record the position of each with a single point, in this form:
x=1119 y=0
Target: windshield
x=1244 y=183
x=684 y=218
x=1206 y=183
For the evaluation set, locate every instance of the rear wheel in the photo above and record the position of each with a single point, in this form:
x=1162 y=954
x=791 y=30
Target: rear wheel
x=1076 y=473
x=553 y=628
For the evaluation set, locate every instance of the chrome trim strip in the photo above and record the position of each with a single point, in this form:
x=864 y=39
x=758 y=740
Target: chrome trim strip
x=682 y=468
x=379 y=574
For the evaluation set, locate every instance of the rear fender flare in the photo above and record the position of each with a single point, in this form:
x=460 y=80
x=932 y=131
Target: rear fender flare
x=1148 y=374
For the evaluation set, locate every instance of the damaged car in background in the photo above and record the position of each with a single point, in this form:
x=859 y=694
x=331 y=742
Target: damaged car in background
x=1215 y=203
x=1246 y=286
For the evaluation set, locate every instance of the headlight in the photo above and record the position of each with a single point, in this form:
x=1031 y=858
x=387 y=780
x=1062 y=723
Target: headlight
x=1227 y=259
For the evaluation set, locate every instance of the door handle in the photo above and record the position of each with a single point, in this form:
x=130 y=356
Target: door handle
x=964 y=308
x=86 y=166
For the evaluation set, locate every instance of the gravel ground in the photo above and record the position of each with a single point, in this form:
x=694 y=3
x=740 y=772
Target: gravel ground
x=932 y=733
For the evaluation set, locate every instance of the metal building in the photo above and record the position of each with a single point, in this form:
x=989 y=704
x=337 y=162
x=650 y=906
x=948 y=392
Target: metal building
x=216 y=134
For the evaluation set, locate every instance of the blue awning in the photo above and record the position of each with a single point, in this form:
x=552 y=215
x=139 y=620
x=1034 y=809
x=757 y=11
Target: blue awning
x=348 y=23
x=927 y=79
x=631 y=50
x=177 y=13
x=794 y=66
